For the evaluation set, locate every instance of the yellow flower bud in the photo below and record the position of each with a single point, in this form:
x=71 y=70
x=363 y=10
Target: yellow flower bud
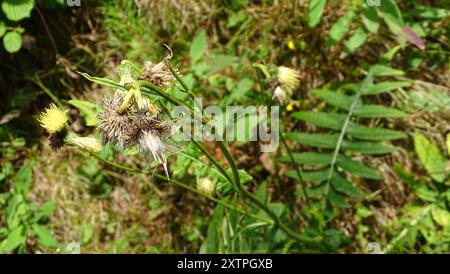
x=291 y=45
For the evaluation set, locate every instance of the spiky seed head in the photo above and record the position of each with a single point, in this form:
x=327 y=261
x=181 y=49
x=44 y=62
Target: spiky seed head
x=86 y=143
x=288 y=78
x=207 y=186
x=53 y=119
x=158 y=74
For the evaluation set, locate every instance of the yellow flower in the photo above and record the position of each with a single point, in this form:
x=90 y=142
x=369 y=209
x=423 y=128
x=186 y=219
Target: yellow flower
x=86 y=143
x=290 y=107
x=289 y=79
x=53 y=119
x=291 y=45
x=448 y=143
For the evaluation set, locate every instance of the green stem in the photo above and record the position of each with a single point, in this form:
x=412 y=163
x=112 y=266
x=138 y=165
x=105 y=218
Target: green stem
x=180 y=184
x=247 y=195
x=358 y=95
x=179 y=79
x=213 y=160
x=297 y=169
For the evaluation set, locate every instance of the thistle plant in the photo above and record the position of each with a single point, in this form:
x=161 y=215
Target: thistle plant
x=132 y=117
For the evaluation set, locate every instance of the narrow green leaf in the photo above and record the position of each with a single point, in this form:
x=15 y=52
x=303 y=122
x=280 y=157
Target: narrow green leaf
x=15 y=238
x=308 y=158
x=382 y=70
x=44 y=236
x=315 y=11
x=321 y=119
x=336 y=199
x=355 y=41
x=378 y=111
x=102 y=81
x=22 y=180
x=370 y=148
x=370 y=18
x=386 y=86
x=314 y=140
x=343 y=186
x=340 y=28
x=316 y=176
x=431 y=158
x=198 y=47
x=374 y=133
x=334 y=98
x=357 y=168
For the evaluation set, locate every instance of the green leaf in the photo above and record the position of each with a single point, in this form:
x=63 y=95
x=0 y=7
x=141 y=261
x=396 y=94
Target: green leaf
x=440 y=216
x=45 y=210
x=23 y=178
x=378 y=111
x=314 y=140
x=321 y=119
x=315 y=11
x=88 y=111
x=390 y=7
x=341 y=184
x=340 y=28
x=2 y=28
x=334 y=98
x=86 y=233
x=357 y=168
x=370 y=18
x=309 y=176
x=16 y=10
x=389 y=55
x=428 y=12
x=358 y=38
x=336 y=199
x=382 y=70
x=15 y=238
x=198 y=47
x=431 y=158
x=373 y=133
x=103 y=81
x=308 y=158
x=12 y=41
x=386 y=86
x=367 y=147
x=44 y=236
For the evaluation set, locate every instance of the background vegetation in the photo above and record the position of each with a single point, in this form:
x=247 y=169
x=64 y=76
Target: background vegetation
x=359 y=162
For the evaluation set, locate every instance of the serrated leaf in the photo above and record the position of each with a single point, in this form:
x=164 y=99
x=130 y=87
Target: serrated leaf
x=12 y=41
x=341 y=185
x=16 y=10
x=315 y=11
x=198 y=46
x=431 y=158
x=23 y=178
x=355 y=41
x=370 y=18
x=340 y=28
x=88 y=111
x=378 y=111
x=357 y=168
x=385 y=87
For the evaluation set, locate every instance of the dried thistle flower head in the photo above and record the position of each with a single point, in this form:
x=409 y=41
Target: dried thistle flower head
x=288 y=78
x=136 y=126
x=158 y=74
x=116 y=127
x=53 y=119
x=86 y=143
x=206 y=185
